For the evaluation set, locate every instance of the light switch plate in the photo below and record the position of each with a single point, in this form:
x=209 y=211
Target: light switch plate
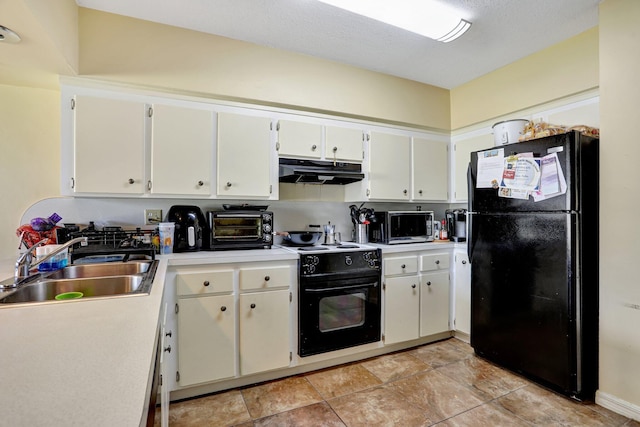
x=152 y=216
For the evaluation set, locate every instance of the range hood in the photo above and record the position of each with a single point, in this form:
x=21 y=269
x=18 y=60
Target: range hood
x=319 y=172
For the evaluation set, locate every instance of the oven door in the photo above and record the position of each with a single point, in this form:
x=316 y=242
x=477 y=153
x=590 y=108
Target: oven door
x=338 y=313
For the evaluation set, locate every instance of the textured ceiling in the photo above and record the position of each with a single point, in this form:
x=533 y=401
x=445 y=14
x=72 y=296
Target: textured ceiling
x=502 y=32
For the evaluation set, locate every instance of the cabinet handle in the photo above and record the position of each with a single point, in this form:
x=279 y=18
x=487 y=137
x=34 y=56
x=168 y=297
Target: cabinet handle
x=335 y=149
x=206 y=283
x=168 y=334
x=200 y=183
x=229 y=184
x=252 y=306
x=437 y=261
x=267 y=278
x=413 y=286
x=168 y=349
x=464 y=262
x=314 y=147
x=428 y=283
x=420 y=192
x=403 y=266
x=149 y=185
x=131 y=181
x=223 y=308
x=404 y=192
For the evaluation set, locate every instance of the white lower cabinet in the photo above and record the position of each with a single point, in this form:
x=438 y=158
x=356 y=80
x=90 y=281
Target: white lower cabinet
x=232 y=319
x=434 y=303
x=206 y=339
x=402 y=309
x=264 y=331
x=462 y=304
x=416 y=295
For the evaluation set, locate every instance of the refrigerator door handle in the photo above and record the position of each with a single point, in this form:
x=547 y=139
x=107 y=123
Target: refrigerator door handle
x=470 y=188
x=470 y=239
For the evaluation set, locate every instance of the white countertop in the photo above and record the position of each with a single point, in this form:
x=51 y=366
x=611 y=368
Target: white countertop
x=88 y=363
x=81 y=363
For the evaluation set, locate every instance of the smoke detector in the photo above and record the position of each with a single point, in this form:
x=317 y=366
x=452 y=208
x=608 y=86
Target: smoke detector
x=8 y=36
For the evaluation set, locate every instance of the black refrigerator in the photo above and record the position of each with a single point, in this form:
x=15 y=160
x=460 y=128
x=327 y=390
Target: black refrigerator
x=534 y=266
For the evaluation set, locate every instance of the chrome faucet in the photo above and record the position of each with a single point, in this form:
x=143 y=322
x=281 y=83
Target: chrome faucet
x=25 y=263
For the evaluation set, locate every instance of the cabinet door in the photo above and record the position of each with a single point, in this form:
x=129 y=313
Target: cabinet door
x=402 y=309
x=244 y=156
x=264 y=331
x=462 y=293
x=206 y=339
x=256 y=278
x=343 y=144
x=204 y=282
x=434 y=261
x=109 y=146
x=389 y=167
x=299 y=139
x=394 y=266
x=434 y=303
x=181 y=150
x=430 y=170
x=462 y=154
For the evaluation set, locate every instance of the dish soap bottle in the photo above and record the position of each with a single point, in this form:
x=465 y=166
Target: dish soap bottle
x=443 y=230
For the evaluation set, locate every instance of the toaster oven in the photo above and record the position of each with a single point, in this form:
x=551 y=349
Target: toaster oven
x=397 y=227
x=240 y=229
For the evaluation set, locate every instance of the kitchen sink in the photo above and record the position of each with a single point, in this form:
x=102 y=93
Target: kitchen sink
x=87 y=281
x=80 y=271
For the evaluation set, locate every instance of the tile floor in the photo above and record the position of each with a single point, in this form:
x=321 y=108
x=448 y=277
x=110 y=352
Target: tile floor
x=442 y=384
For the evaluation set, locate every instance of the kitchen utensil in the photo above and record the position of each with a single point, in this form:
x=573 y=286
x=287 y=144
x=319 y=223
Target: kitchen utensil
x=362 y=233
x=329 y=234
x=301 y=238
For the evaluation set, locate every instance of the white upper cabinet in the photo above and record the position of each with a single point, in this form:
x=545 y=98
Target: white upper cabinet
x=389 y=167
x=108 y=146
x=299 y=139
x=343 y=144
x=430 y=170
x=244 y=156
x=181 y=150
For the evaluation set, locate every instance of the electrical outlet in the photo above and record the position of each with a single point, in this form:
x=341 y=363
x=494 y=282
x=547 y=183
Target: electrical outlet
x=152 y=216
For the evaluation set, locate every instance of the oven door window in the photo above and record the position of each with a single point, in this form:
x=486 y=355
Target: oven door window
x=234 y=228
x=342 y=311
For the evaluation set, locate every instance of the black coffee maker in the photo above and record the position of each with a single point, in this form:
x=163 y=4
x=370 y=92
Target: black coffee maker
x=456 y=224
x=191 y=228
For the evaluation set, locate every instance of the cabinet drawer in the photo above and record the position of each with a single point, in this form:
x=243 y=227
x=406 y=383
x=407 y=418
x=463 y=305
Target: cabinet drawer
x=206 y=282
x=265 y=277
x=400 y=265
x=432 y=262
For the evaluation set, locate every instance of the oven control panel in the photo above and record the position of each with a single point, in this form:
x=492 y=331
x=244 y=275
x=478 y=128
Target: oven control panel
x=340 y=262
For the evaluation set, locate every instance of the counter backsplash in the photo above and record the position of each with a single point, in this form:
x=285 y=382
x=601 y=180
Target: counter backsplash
x=288 y=215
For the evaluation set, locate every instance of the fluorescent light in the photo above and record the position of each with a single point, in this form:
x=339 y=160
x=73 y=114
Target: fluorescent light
x=425 y=17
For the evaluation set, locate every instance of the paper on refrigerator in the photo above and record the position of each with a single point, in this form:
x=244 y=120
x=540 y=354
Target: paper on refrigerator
x=552 y=180
x=490 y=167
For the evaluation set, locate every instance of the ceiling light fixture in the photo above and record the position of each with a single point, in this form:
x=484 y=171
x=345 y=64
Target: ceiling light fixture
x=425 y=17
x=8 y=36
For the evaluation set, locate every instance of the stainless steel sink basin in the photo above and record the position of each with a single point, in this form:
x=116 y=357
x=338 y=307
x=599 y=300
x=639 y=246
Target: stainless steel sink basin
x=87 y=281
x=101 y=270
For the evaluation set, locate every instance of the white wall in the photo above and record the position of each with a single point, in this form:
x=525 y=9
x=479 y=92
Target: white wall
x=619 y=206
x=30 y=155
